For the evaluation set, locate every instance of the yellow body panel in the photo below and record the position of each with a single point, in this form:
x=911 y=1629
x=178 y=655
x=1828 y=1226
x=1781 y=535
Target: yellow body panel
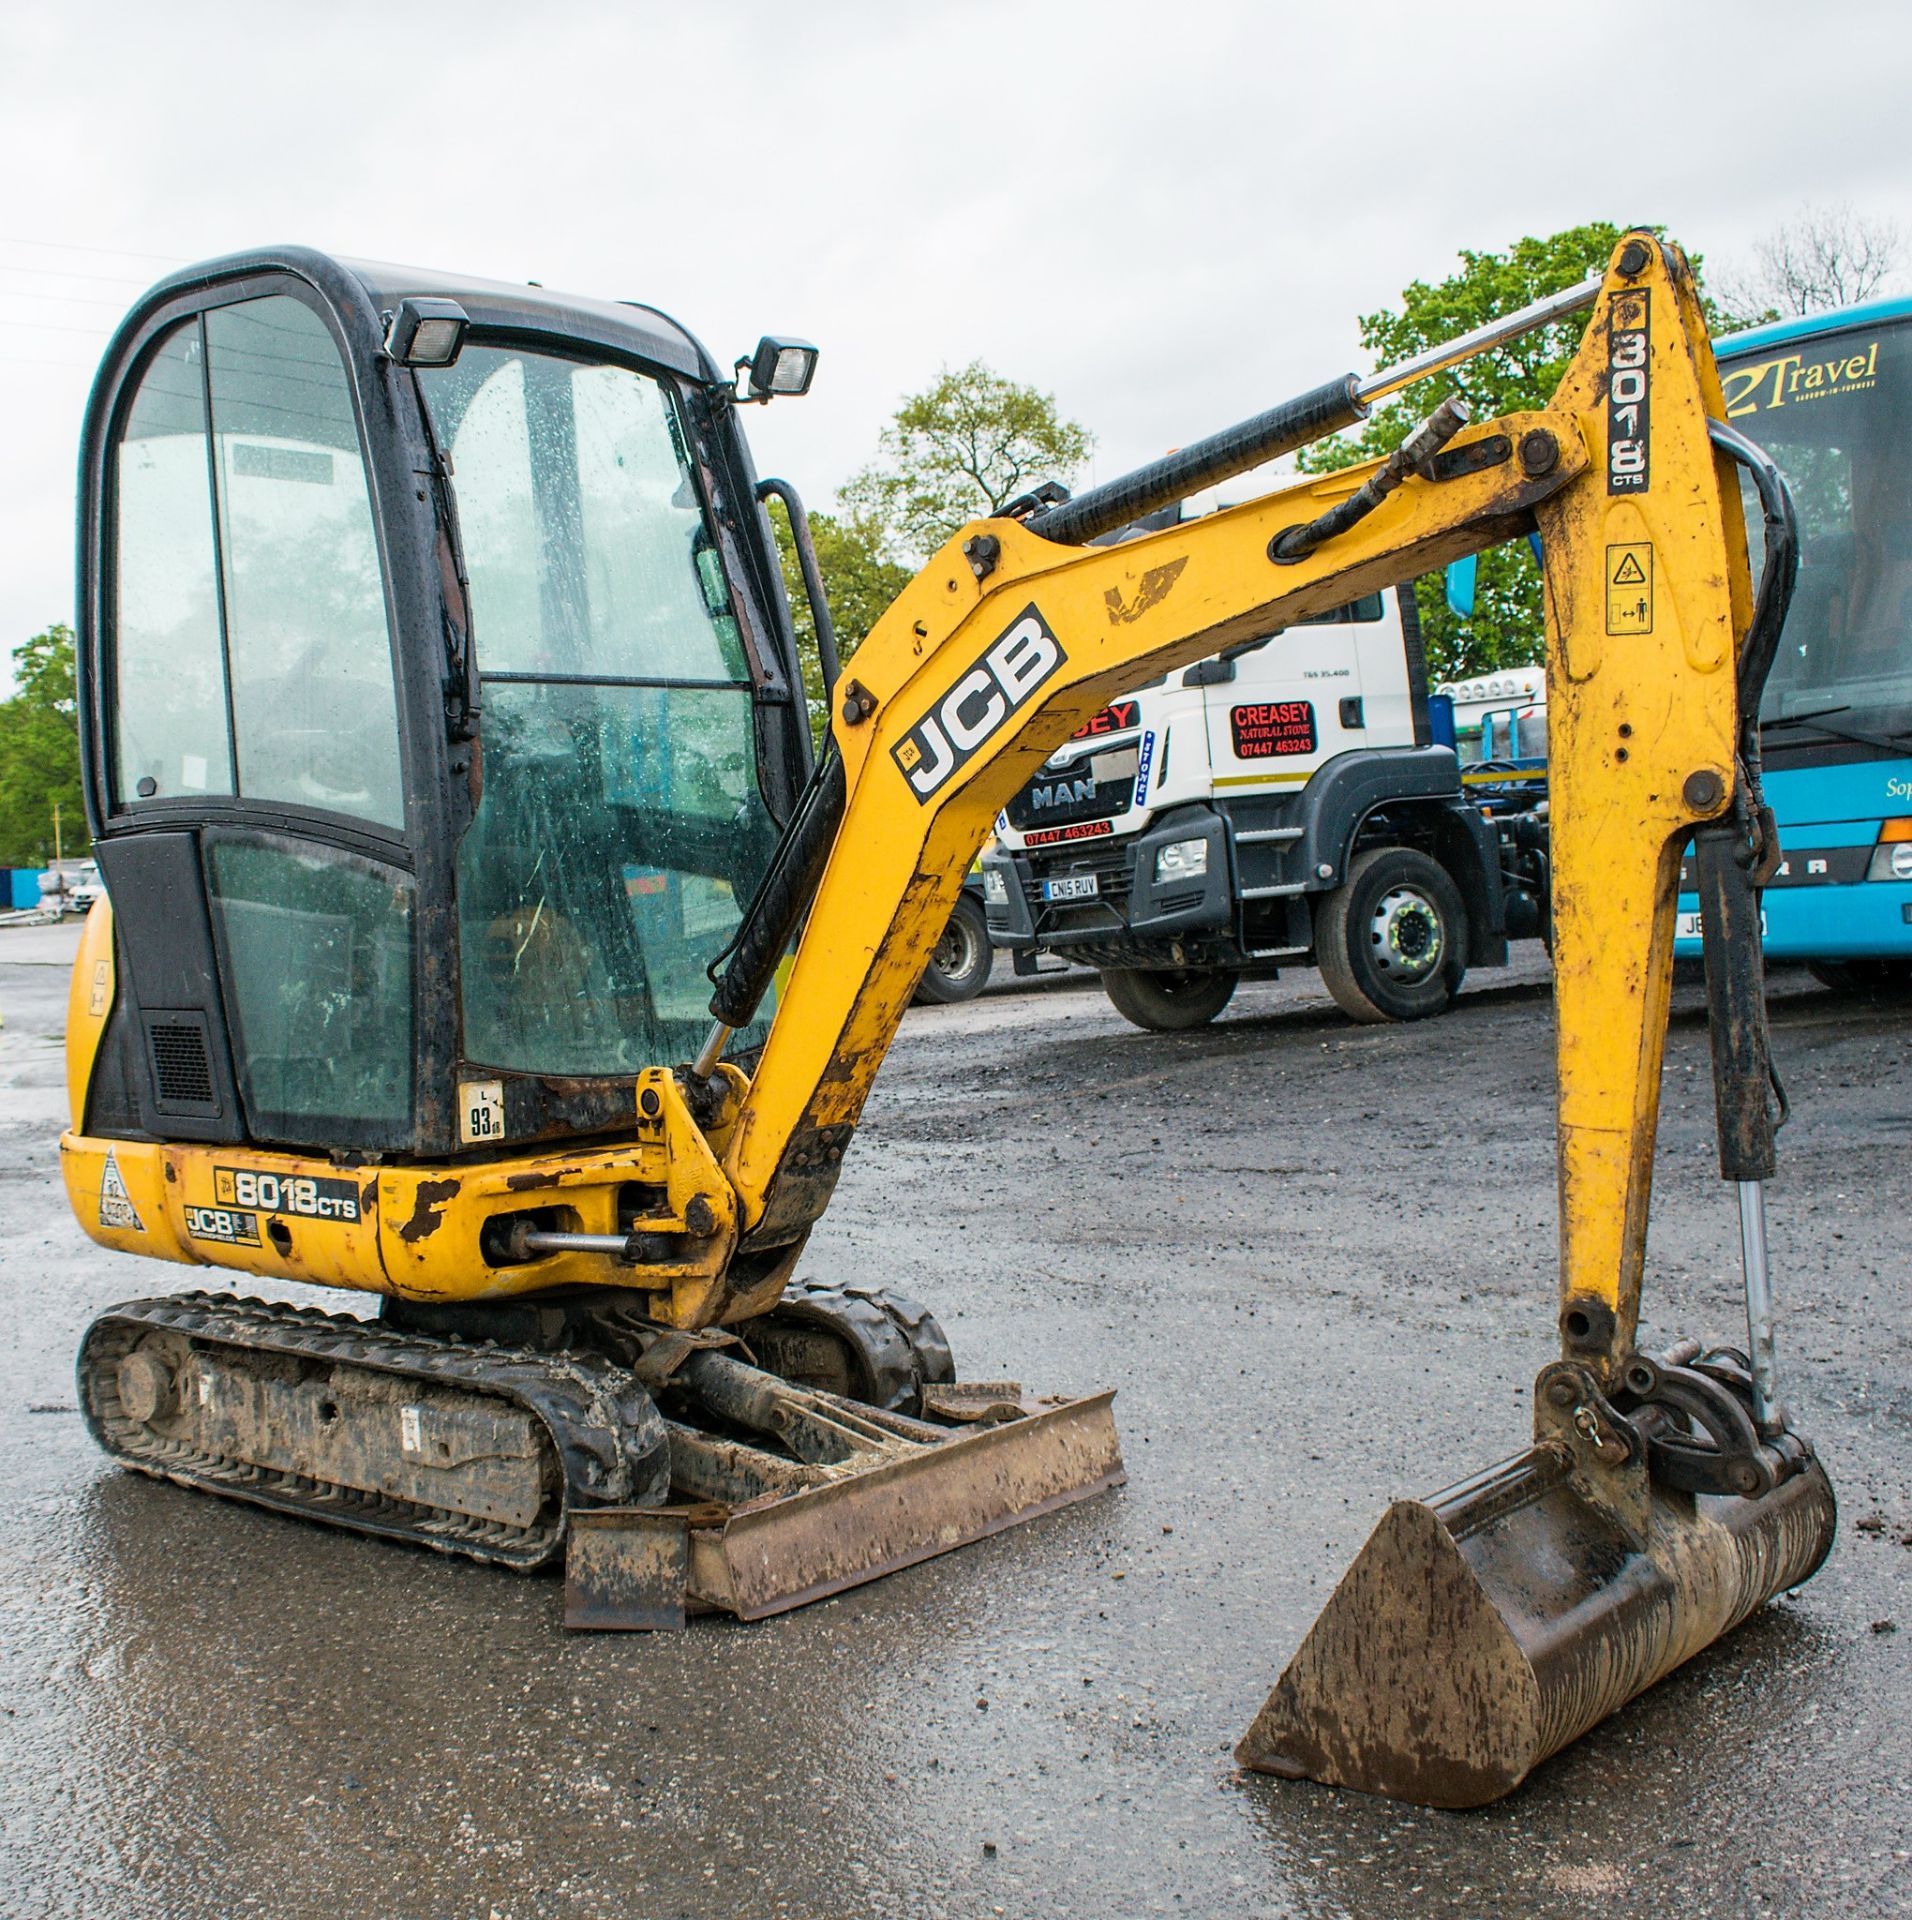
x=89 y=999
x=415 y=1230
x=1641 y=701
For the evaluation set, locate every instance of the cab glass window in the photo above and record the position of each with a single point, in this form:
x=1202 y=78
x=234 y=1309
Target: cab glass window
x=620 y=828
x=169 y=733
x=316 y=957
x=315 y=720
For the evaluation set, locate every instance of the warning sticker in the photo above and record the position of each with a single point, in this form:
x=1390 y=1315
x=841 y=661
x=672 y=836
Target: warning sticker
x=1630 y=587
x=116 y=1204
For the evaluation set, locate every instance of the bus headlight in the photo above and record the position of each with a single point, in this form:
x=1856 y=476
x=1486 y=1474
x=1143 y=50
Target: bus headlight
x=995 y=888
x=1181 y=860
x=1892 y=857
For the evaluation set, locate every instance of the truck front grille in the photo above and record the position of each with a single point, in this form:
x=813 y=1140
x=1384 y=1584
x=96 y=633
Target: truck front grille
x=1109 y=908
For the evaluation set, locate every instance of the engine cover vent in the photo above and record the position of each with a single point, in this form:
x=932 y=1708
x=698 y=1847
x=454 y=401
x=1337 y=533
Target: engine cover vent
x=180 y=1057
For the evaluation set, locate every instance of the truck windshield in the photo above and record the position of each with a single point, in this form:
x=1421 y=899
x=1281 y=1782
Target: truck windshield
x=619 y=828
x=1835 y=411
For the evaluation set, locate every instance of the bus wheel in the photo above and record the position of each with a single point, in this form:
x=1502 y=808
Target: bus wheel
x=1167 y=999
x=1862 y=976
x=1391 y=941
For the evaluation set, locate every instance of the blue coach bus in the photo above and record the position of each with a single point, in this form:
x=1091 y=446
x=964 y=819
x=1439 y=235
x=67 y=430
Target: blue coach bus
x=1830 y=397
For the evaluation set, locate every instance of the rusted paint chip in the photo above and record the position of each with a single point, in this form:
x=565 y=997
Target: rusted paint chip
x=428 y=1210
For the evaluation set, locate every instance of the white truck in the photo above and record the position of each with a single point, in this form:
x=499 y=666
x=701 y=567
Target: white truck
x=1283 y=803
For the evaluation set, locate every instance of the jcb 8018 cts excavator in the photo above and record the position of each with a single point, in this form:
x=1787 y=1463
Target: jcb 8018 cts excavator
x=445 y=741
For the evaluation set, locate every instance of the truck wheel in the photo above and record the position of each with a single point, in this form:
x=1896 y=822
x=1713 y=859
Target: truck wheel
x=1167 y=999
x=959 y=968
x=1391 y=941
x=1861 y=976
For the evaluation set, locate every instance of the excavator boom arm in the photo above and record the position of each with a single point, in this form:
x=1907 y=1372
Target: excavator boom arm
x=1005 y=643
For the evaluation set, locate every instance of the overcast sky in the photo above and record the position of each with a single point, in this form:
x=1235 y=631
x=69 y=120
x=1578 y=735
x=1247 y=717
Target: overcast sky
x=1167 y=214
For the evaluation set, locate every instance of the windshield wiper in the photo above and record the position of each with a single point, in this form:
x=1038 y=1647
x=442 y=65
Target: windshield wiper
x=1803 y=719
x=1816 y=721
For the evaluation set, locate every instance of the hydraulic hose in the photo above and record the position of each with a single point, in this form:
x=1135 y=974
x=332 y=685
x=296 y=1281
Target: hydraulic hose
x=742 y=973
x=1728 y=857
x=1777 y=576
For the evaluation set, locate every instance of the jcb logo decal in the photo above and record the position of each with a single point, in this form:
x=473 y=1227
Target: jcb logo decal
x=978 y=705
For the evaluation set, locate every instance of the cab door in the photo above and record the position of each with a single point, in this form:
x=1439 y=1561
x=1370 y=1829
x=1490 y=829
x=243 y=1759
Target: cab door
x=246 y=768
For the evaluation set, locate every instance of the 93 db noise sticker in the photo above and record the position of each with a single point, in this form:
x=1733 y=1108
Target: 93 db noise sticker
x=978 y=705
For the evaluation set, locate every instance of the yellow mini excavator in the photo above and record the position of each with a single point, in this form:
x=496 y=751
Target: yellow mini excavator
x=445 y=745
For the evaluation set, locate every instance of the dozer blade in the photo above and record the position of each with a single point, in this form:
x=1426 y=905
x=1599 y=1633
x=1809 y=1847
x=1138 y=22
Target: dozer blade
x=1484 y=1629
x=924 y=1489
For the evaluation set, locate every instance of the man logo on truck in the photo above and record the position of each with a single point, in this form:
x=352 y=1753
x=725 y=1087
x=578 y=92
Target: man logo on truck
x=1061 y=793
x=948 y=737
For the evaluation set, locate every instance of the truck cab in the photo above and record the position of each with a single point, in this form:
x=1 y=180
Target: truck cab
x=1281 y=803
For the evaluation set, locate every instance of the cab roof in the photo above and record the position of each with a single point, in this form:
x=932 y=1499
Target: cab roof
x=493 y=305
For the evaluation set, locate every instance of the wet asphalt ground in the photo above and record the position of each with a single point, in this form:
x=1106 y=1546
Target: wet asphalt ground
x=1316 y=1260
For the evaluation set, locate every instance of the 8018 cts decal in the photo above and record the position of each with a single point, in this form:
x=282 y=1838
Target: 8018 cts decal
x=948 y=736
x=301 y=1193
x=1629 y=420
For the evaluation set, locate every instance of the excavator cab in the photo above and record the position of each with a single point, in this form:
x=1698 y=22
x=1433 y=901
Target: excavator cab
x=441 y=714
x=443 y=706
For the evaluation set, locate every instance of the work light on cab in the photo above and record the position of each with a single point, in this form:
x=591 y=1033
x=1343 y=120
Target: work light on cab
x=780 y=368
x=425 y=333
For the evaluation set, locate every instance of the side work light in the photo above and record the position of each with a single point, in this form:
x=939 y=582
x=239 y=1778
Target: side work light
x=425 y=333
x=779 y=367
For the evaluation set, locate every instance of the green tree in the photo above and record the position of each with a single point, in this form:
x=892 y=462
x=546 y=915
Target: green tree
x=858 y=582
x=40 y=754
x=1505 y=628
x=956 y=452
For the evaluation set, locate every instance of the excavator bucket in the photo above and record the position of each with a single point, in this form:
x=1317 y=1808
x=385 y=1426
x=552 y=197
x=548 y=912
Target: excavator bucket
x=1483 y=1629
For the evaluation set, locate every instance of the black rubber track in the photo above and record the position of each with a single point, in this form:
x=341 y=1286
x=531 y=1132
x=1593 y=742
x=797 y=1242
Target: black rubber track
x=609 y=1441
x=899 y=1345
